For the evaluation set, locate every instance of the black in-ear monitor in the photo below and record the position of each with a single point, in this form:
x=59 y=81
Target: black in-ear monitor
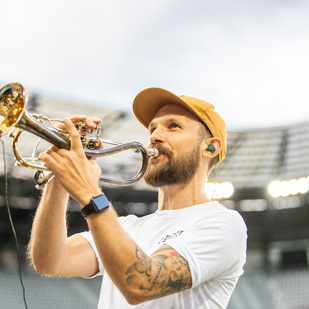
x=211 y=148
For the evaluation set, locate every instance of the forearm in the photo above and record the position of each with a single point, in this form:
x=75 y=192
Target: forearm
x=138 y=276
x=48 y=244
x=115 y=247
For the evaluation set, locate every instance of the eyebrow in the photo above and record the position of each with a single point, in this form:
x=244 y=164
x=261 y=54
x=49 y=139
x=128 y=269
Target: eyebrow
x=151 y=124
x=169 y=120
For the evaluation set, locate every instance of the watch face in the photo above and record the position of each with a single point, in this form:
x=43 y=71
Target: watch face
x=97 y=204
x=100 y=202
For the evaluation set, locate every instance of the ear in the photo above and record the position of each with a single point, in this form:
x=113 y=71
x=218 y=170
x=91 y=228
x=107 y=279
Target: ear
x=212 y=147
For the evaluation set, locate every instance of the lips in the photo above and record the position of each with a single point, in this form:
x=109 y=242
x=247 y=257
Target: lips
x=161 y=149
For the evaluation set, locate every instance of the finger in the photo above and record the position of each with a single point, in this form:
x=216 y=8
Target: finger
x=74 y=119
x=78 y=118
x=93 y=122
x=91 y=160
x=52 y=148
x=101 y=146
x=53 y=152
x=76 y=144
x=49 y=158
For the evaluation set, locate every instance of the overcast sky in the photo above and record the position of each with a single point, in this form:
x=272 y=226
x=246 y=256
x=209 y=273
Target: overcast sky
x=248 y=58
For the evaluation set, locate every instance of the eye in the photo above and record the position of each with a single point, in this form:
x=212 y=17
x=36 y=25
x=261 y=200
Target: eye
x=151 y=130
x=174 y=125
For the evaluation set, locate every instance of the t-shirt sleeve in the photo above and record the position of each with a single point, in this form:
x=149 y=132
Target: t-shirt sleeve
x=216 y=250
x=89 y=238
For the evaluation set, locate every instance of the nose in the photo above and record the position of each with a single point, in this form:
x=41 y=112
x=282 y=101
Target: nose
x=156 y=136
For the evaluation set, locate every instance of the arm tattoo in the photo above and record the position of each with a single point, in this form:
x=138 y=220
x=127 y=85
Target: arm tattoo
x=164 y=273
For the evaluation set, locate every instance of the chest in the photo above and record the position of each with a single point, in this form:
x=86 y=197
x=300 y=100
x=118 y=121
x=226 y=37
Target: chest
x=152 y=233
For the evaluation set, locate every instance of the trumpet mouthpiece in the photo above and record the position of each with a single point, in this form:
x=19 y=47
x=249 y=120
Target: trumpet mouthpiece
x=153 y=152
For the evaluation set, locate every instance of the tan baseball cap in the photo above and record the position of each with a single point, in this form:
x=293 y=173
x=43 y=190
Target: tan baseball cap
x=148 y=102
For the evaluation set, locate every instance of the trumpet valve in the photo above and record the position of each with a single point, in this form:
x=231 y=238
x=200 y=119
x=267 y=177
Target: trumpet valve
x=89 y=136
x=92 y=143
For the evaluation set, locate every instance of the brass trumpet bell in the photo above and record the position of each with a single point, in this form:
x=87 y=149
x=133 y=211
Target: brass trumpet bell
x=13 y=101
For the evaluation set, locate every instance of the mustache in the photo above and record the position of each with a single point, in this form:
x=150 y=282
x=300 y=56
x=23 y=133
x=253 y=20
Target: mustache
x=162 y=149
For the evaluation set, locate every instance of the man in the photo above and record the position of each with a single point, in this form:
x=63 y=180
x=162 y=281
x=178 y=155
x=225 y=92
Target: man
x=188 y=254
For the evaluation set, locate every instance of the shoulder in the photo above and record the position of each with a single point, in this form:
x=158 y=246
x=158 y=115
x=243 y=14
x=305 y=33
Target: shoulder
x=216 y=223
x=229 y=221
x=215 y=212
x=132 y=219
x=132 y=224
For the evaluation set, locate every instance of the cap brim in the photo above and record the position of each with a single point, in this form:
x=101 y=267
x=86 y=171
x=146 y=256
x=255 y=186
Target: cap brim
x=148 y=102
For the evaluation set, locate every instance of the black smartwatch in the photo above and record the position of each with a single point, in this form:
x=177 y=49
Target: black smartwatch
x=97 y=204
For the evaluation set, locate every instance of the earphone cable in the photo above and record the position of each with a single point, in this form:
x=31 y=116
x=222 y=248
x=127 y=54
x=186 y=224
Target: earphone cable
x=6 y=196
x=215 y=192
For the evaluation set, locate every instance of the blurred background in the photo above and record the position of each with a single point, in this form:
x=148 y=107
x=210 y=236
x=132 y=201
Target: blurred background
x=248 y=58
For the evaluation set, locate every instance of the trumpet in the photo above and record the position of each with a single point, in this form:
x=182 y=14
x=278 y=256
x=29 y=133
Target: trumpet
x=13 y=114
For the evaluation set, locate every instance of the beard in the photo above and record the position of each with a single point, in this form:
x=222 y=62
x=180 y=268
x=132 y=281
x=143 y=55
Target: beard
x=176 y=171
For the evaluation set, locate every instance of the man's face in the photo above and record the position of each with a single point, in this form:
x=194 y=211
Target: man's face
x=176 y=133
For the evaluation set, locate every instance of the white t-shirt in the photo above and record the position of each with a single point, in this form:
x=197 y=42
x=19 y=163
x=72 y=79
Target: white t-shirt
x=211 y=238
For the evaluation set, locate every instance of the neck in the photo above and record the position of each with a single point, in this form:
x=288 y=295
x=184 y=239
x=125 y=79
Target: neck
x=182 y=196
